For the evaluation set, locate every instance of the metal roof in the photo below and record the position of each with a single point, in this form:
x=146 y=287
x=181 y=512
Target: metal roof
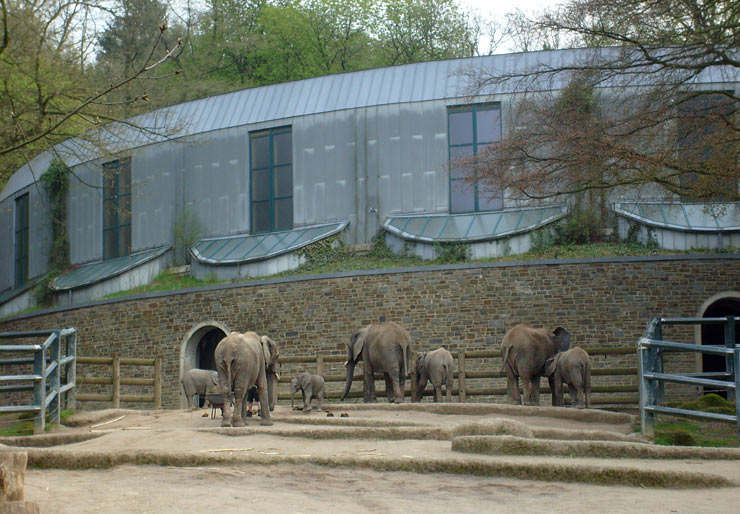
x=248 y=247
x=98 y=271
x=435 y=80
x=480 y=226
x=707 y=217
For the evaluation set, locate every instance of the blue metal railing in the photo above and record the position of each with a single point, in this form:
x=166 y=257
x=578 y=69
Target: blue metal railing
x=652 y=378
x=51 y=360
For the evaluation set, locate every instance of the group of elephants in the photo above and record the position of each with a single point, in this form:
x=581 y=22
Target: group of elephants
x=248 y=359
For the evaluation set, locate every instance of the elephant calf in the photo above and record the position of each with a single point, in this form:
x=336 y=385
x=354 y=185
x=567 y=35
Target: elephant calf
x=198 y=381
x=438 y=367
x=574 y=368
x=311 y=386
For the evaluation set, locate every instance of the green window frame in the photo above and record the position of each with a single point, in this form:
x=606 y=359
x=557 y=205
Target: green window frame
x=271 y=180
x=471 y=129
x=21 y=240
x=116 y=208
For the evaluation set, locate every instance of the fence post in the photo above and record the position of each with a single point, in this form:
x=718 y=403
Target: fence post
x=461 y=387
x=646 y=361
x=320 y=365
x=158 y=383
x=39 y=390
x=116 y=381
x=730 y=366
x=736 y=357
x=71 y=394
x=56 y=378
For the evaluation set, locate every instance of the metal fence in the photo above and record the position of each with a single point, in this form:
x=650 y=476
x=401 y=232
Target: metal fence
x=652 y=376
x=116 y=381
x=52 y=360
x=474 y=370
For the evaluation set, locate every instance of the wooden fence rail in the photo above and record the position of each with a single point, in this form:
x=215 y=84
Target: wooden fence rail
x=116 y=381
x=462 y=375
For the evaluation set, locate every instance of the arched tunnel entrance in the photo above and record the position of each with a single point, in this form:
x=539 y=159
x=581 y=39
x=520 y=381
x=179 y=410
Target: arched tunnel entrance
x=714 y=335
x=198 y=347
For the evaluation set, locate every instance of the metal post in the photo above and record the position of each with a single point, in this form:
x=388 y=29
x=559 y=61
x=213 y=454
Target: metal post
x=461 y=386
x=39 y=391
x=737 y=388
x=647 y=418
x=657 y=354
x=55 y=408
x=72 y=372
x=116 y=381
x=730 y=367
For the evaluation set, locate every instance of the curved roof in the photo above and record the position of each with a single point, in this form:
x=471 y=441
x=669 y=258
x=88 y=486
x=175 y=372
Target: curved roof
x=481 y=226
x=255 y=247
x=709 y=217
x=435 y=80
x=94 y=272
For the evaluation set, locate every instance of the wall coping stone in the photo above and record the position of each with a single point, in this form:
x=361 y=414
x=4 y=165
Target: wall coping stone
x=383 y=271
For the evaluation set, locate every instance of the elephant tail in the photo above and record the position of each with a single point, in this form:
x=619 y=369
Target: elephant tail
x=504 y=356
x=406 y=361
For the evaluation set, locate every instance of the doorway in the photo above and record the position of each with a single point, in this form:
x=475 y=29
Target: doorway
x=714 y=335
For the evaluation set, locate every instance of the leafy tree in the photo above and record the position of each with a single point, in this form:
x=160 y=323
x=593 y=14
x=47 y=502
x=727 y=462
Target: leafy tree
x=48 y=93
x=425 y=30
x=654 y=130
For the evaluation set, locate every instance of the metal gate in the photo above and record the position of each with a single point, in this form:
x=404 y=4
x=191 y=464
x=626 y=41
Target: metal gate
x=650 y=351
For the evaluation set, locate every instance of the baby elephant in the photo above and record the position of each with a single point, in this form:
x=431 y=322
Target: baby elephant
x=574 y=368
x=311 y=386
x=435 y=366
x=199 y=381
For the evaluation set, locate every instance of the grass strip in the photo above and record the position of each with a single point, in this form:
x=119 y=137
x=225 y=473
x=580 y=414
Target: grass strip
x=511 y=445
x=566 y=472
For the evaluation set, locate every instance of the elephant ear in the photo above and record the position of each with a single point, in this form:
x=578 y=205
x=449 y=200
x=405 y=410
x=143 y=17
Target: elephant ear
x=561 y=338
x=214 y=378
x=357 y=342
x=269 y=349
x=551 y=364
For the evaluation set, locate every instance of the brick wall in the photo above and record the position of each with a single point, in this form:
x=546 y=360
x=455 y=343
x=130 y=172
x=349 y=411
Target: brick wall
x=601 y=302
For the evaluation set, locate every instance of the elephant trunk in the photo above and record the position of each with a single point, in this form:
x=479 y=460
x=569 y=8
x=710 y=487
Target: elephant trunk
x=350 y=375
x=271 y=389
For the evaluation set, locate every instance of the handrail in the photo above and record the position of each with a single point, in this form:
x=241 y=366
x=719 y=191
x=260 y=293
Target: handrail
x=652 y=377
x=50 y=359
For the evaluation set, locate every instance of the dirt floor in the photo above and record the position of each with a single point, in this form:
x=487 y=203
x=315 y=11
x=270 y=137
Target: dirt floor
x=277 y=459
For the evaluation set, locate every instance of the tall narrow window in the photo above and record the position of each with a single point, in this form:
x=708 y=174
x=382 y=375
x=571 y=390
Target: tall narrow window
x=21 y=240
x=116 y=208
x=471 y=129
x=271 y=179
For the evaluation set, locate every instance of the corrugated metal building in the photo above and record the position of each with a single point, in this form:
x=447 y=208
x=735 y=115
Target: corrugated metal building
x=271 y=169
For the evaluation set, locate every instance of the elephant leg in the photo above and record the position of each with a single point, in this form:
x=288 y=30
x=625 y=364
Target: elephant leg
x=575 y=396
x=401 y=385
x=437 y=392
x=307 y=392
x=558 y=381
x=388 y=387
x=536 y=390
x=395 y=375
x=512 y=386
x=368 y=392
x=319 y=399
x=264 y=397
x=528 y=394
x=237 y=419
x=421 y=384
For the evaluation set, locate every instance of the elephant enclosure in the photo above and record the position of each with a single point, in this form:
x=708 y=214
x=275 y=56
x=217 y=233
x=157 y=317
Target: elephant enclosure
x=379 y=458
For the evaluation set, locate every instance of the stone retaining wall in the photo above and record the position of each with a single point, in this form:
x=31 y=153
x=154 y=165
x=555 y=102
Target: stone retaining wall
x=605 y=302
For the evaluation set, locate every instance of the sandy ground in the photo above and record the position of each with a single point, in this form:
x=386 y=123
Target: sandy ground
x=305 y=487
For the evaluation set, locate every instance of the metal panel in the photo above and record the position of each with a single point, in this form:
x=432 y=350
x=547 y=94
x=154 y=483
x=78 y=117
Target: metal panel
x=709 y=217
x=7 y=243
x=39 y=233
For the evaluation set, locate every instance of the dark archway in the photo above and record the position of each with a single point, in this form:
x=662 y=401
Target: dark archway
x=206 y=346
x=714 y=335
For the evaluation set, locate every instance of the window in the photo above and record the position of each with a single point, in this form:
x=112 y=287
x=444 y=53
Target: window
x=271 y=179
x=116 y=208
x=21 y=240
x=471 y=129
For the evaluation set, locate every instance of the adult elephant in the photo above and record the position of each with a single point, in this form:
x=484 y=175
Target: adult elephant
x=384 y=348
x=524 y=351
x=243 y=360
